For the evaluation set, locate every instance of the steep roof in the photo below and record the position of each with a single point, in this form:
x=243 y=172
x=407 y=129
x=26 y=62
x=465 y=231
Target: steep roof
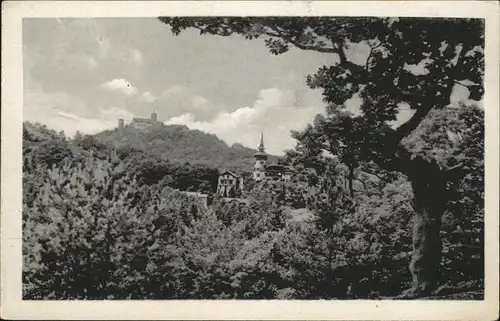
x=143 y=120
x=260 y=154
x=230 y=173
x=275 y=167
x=279 y=167
x=197 y=194
x=261 y=146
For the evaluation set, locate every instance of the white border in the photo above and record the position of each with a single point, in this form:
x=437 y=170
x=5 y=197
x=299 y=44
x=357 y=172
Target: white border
x=13 y=307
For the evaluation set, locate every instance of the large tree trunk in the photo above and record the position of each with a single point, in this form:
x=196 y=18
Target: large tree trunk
x=351 y=179
x=429 y=185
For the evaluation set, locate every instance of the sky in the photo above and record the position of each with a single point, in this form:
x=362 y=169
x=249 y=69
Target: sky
x=85 y=74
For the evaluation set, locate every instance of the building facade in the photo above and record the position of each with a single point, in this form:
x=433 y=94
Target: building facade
x=202 y=198
x=229 y=184
x=142 y=123
x=276 y=172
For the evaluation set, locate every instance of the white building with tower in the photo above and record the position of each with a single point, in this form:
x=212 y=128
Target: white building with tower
x=263 y=170
x=261 y=157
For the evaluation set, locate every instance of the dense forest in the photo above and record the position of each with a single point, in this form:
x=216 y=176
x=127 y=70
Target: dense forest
x=395 y=212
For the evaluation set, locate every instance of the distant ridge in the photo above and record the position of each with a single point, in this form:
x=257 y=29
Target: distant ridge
x=178 y=143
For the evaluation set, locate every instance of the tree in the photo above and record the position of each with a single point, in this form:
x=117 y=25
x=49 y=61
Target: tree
x=309 y=148
x=407 y=63
x=93 y=232
x=339 y=134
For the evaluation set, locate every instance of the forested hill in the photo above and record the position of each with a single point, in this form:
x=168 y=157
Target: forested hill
x=178 y=143
x=174 y=155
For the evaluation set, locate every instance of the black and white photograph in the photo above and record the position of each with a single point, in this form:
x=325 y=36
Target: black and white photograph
x=245 y=157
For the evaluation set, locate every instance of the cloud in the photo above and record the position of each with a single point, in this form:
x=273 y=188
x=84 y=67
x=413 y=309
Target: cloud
x=70 y=123
x=86 y=36
x=276 y=111
x=147 y=97
x=104 y=47
x=37 y=101
x=115 y=113
x=91 y=62
x=121 y=85
x=67 y=115
x=289 y=90
x=76 y=60
x=136 y=56
x=175 y=91
x=48 y=108
x=75 y=56
x=66 y=112
x=199 y=102
x=273 y=113
x=177 y=100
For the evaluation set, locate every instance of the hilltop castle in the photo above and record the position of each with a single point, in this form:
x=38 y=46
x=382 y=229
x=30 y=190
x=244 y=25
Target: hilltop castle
x=142 y=123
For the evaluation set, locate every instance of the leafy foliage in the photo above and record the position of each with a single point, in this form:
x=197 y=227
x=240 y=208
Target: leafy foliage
x=406 y=64
x=94 y=217
x=149 y=241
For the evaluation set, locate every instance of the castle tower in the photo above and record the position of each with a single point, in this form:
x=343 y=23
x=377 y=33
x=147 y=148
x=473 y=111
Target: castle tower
x=120 y=123
x=259 y=169
x=154 y=116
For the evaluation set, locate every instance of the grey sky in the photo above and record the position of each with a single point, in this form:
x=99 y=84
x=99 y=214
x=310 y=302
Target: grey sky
x=84 y=74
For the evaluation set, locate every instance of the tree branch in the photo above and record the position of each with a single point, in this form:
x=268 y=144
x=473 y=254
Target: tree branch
x=278 y=34
x=456 y=171
x=381 y=178
x=370 y=54
x=406 y=128
x=464 y=85
x=341 y=53
x=362 y=182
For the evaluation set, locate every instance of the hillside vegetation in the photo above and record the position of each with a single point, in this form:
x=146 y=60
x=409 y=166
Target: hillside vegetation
x=105 y=225
x=179 y=144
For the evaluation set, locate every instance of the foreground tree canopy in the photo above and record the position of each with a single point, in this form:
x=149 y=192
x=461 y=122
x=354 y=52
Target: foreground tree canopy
x=409 y=62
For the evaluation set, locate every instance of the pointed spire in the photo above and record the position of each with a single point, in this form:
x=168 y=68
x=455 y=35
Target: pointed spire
x=154 y=115
x=261 y=146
